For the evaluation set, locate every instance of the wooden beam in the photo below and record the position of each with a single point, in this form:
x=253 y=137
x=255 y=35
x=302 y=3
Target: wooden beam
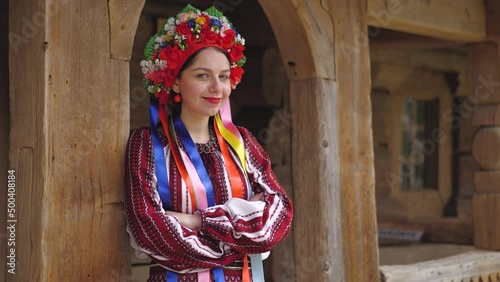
x=483 y=72
x=304 y=38
x=457 y=20
x=355 y=144
x=486 y=148
x=319 y=242
x=492 y=8
x=332 y=148
x=463 y=267
x=488 y=114
x=124 y=17
x=486 y=213
x=68 y=143
x=487 y=182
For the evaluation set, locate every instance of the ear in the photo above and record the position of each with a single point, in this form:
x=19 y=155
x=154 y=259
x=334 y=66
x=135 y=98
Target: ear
x=175 y=86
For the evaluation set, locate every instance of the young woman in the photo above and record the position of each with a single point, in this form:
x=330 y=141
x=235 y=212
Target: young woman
x=201 y=199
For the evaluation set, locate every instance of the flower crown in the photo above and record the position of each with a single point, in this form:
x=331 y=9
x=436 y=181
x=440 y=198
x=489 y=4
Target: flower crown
x=179 y=38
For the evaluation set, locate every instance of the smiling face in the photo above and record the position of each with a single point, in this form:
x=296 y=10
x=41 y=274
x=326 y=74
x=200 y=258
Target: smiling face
x=204 y=85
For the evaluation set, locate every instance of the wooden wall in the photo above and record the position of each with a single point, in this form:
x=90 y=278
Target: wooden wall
x=398 y=72
x=4 y=129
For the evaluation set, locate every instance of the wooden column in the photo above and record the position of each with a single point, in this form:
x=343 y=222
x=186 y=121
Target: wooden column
x=69 y=102
x=4 y=131
x=484 y=81
x=335 y=236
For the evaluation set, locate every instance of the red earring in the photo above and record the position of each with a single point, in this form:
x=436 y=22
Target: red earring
x=177 y=98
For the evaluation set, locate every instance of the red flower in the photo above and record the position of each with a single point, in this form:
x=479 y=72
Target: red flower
x=184 y=29
x=237 y=52
x=174 y=58
x=227 y=40
x=209 y=37
x=157 y=76
x=235 y=76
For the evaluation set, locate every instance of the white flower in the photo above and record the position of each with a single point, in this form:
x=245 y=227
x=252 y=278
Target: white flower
x=171 y=21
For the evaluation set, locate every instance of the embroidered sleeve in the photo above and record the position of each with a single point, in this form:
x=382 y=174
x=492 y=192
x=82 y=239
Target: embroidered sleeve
x=161 y=236
x=252 y=226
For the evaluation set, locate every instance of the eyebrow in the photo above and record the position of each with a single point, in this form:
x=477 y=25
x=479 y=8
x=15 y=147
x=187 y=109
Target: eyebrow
x=209 y=70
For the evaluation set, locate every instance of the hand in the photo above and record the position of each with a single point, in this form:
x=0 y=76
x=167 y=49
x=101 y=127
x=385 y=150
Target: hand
x=191 y=221
x=257 y=197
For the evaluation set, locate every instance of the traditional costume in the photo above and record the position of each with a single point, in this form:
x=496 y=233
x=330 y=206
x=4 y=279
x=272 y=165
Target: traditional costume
x=167 y=171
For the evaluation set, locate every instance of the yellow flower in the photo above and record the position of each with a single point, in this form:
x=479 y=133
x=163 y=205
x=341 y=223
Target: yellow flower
x=168 y=37
x=201 y=20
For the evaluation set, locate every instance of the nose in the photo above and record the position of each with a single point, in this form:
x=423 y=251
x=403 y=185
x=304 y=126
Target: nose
x=215 y=85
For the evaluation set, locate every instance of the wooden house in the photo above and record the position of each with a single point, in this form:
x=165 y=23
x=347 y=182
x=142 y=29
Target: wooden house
x=381 y=117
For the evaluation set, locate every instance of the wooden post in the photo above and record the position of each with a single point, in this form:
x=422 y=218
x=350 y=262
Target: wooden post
x=70 y=103
x=335 y=236
x=484 y=83
x=4 y=131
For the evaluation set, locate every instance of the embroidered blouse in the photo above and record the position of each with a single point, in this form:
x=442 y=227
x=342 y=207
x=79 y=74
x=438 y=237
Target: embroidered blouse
x=231 y=228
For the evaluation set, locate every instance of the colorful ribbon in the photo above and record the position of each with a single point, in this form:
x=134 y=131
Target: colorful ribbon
x=195 y=175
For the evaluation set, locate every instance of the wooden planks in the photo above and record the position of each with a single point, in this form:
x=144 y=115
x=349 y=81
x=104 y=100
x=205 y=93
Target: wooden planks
x=463 y=267
x=457 y=20
x=486 y=209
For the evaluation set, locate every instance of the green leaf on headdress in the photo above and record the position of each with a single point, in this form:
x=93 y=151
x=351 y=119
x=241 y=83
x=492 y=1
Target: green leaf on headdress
x=212 y=11
x=188 y=8
x=242 y=61
x=150 y=48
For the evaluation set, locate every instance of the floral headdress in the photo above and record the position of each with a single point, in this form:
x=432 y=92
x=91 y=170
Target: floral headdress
x=179 y=38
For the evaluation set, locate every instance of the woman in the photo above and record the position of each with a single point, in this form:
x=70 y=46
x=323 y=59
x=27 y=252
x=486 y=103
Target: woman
x=200 y=193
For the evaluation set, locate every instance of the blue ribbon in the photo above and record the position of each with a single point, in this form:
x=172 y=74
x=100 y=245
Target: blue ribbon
x=160 y=165
x=195 y=158
x=257 y=268
x=159 y=156
x=171 y=276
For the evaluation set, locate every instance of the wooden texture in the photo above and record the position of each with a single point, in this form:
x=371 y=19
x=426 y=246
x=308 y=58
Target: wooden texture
x=466 y=169
x=430 y=60
x=466 y=130
x=354 y=121
x=28 y=140
x=486 y=148
x=68 y=142
x=492 y=9
x=488 y=114
x=463 y=267
x=445 y=230
x=123 y=17
x=486 y=209
x=487 y=181
x=4 y=130
x=319 y=253
x=483 y=73
x=462 y=20
x=139 y=97
x=304 y=38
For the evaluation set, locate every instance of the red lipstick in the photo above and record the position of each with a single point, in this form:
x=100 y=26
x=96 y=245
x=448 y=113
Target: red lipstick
x=213 y=100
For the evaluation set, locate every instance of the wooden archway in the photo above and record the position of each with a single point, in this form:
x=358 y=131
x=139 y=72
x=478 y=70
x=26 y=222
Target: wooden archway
x=71 y=125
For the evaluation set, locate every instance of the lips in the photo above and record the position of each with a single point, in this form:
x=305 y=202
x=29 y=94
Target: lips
x=213 y=100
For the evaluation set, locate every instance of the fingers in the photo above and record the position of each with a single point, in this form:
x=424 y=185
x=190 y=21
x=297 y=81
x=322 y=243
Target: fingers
x=257 y=197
